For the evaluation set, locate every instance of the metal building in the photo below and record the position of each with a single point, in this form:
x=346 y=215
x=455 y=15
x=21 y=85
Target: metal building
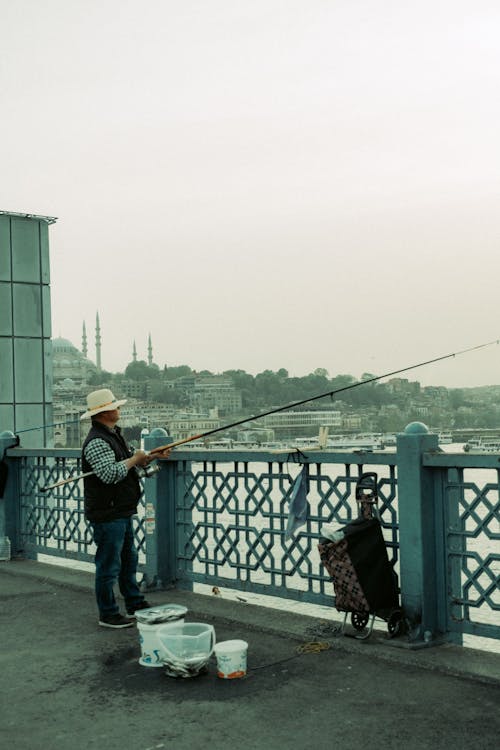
x=25 y=327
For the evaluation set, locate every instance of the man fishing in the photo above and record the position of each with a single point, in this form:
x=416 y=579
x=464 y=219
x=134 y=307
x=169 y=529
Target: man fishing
x=112 y=491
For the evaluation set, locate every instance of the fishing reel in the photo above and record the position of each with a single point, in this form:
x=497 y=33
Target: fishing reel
x=145 y=472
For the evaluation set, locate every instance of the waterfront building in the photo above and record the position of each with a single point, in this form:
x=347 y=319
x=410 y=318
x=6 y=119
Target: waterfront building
x=69 y=430
x=297 y=420
x=255 y=436
x=146 y=414
x=402 y=386
x=186 y=424
x=216 y=391
x=133 y=389
x=351 y=422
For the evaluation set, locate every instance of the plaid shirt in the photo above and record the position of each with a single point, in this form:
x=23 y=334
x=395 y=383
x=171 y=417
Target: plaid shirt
x=103 y=462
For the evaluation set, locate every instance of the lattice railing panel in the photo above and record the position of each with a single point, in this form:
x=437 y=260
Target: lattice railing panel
x=53 y=523
x=239 y=519
x=473 y=552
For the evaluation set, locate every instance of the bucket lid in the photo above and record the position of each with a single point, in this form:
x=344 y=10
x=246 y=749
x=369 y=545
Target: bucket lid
x=230 y=646
x=162 y=613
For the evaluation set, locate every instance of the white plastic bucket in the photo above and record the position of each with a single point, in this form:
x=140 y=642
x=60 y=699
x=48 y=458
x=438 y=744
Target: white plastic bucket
x=152 y=654
x=231 y=659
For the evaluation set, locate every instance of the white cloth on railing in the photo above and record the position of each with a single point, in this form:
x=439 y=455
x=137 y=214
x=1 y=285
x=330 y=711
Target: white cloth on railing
x=298 y=507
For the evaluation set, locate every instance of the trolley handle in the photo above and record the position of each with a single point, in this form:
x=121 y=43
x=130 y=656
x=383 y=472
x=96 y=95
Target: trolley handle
x=367 y=493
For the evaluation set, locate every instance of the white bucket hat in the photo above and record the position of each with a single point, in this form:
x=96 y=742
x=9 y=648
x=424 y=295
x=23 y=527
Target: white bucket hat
x=101 y=400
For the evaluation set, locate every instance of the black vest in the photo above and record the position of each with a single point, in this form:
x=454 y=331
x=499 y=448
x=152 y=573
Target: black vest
x=106 y=502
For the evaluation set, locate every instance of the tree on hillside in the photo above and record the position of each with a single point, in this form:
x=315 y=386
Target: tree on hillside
x=173 y=396
x=458 y=398
x=341 y=381
x=176 y=371
x=268 y=387
x=140 y=370
x=100 y=377
x=245 y=383
x=241 y=379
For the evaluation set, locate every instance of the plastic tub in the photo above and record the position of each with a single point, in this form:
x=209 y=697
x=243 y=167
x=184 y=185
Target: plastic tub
x=186 y=642
x=231 y=659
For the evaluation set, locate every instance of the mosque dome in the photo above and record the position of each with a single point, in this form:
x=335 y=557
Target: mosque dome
x=63 y=345
x=69 y=363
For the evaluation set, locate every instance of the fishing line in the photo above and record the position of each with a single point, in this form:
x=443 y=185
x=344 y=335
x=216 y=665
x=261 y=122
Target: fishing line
x=295 y=403
x=48 y=426
x=278 y=409
x=321 y=395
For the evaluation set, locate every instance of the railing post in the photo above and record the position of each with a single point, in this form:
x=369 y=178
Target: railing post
x=417 y=529
x=9 y=504
x=453 y=534
x=159 y=522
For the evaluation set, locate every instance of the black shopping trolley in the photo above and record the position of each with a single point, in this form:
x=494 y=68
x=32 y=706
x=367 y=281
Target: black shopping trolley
x=355 y=556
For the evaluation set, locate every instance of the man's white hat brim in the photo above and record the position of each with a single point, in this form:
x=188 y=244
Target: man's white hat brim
x=104 y=407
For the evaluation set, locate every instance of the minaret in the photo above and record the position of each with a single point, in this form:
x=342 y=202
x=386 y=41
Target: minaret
x=150 y=351
x=97 y=342
x=134 y=354
x=84 y=341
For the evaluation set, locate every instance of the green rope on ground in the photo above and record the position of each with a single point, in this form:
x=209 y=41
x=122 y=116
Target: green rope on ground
x=313 y=647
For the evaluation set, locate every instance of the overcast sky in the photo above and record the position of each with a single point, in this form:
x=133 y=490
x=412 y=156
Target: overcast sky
x=263 y=183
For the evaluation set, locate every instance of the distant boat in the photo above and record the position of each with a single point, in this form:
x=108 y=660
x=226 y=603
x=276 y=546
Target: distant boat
x=389 y=439
x=367 y=442
x=483 y=445
x=445 y=438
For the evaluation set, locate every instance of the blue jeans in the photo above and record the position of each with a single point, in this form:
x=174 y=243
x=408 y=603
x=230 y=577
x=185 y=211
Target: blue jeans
x=115 y=560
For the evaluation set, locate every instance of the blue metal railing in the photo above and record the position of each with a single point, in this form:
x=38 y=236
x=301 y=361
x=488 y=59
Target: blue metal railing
x=231 y=517
x=53 y=523
x=469 y=493
x=219 y=518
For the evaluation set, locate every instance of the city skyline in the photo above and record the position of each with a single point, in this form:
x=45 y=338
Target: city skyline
x=406 y=373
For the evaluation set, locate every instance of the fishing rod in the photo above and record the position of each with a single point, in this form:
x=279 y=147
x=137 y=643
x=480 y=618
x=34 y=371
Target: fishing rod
x=316 y=398
x=201 y=435
x=143 y=473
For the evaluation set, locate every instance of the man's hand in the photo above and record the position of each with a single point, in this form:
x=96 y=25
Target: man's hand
x=140 y=458
x=165 y=453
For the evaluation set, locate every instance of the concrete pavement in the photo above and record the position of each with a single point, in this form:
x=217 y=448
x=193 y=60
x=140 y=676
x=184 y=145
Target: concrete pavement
x=67 y=683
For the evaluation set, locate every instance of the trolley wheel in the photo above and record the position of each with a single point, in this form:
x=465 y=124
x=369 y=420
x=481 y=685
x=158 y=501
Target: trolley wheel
x=359 y=620
x=395 y=623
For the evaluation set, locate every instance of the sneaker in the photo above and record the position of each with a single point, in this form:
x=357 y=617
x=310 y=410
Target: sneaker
x=115 y=621
x=142 y=605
